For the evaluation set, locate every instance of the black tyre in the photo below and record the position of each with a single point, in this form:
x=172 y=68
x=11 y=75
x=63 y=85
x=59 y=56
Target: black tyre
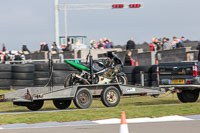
x=152 y=76
x=110 y=96
x=44 y=67
x=63 y=67
x=23 y=76
x=23 y=68
x=130 y=77
x=153 y=83
x=145 y=69
x=62 y=104
x=36 y=105
x=5 y=82
x=128 y=69
x=61 y=73
x=58 y=81
x=38 y=74
x=5 y=68
x=41 y=81
x=5 y=75
x=83 y=98
x=188 y=96
x=23 y=83
x=137 y=77
x=153 y=69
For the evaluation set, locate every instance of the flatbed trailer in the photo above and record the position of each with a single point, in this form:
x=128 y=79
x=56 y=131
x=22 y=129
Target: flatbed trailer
x=33 y=97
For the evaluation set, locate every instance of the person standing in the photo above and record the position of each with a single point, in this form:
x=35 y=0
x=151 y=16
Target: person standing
x=166 y=44
x=107 y=45
x=130 y=44
x=3 y=47
x=128 y=59
x=152 y=45
x=25 y=49
x=54 y=47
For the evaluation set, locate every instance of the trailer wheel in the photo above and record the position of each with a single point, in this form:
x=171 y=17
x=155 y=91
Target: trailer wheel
x=110 y=96
x=62 y=104
x=83 y=98
x=35 y=105
x=188 y=96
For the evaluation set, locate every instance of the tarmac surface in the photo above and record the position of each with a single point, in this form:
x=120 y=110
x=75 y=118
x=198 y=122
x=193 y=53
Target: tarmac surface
x=152 y=127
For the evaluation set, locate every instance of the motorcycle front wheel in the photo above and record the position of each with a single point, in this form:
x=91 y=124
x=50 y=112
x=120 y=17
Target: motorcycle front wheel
x=121 y=80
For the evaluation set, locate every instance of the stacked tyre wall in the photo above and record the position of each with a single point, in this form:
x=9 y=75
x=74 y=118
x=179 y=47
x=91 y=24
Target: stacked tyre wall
x=134 y=75
x=19 y=76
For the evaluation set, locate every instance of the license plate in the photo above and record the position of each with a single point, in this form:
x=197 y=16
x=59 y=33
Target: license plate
x=178 y=81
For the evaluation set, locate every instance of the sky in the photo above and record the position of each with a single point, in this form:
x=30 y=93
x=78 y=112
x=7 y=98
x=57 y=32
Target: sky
x=32 y=21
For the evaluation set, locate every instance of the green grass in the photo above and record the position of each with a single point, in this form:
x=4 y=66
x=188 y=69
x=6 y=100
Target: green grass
x=134 y=107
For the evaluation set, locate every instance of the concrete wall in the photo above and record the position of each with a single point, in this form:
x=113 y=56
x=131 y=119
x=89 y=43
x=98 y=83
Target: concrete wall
x=143 y=58
x=174 y=55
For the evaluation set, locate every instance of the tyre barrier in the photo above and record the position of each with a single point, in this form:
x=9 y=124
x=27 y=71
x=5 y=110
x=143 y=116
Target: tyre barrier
x=60 y=72
x=134 y=76
x=22 y=75
x=5 y=76
x=27 y=75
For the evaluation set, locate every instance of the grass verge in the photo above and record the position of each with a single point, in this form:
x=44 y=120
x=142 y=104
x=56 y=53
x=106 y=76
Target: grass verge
x=134 y=107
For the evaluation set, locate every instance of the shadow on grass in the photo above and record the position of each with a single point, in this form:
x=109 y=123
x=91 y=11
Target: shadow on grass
x=158 y=102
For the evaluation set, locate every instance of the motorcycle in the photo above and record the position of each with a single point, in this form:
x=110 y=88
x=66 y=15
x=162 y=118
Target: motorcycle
x=102 y=71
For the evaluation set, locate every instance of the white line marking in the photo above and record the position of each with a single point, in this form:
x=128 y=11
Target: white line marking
x=144 y=120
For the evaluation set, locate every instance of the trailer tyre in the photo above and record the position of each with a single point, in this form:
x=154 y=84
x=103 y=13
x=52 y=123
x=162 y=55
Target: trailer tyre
x=188 y=96
x=36 y=105
x=83 y=98
x=62 y=104
x=110 y=96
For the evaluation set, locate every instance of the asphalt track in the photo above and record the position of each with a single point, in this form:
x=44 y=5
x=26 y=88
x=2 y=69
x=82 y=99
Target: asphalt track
x=154 y=127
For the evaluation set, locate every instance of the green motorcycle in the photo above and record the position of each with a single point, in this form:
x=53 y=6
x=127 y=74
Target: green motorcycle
x=102 y=71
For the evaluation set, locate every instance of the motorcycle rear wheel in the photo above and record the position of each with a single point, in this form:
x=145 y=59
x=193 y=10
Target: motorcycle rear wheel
x=70 y=81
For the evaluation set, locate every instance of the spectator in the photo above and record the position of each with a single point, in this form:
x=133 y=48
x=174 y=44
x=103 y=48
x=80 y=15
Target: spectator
x=69 y=45
x=64 y=48
x=182 y=39
x=166 y=44
x=174 y=41
x=179 y=44
x=104 y=40
x=3 y=47
x=157 y=44
x=54 y=47
x=152 y=45
x=130 y=44
x=107 y=45
x=111 y=43
x=25 y=49
x=128 y=59
x=41 y=46
x=92 y=44
x=44 y=46
x=17 y=56
x=100 y=44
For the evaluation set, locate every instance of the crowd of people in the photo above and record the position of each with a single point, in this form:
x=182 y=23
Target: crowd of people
x=166 y=44
x=101 y=44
